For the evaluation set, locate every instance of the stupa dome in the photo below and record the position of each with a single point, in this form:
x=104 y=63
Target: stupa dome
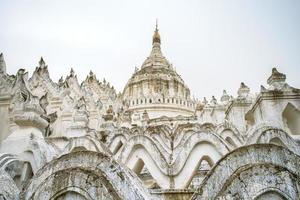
x=157 y=87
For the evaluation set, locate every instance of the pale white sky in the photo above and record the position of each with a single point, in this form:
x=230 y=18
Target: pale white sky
x=213 y=44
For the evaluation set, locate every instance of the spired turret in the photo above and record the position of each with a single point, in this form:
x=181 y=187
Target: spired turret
x=157 y=88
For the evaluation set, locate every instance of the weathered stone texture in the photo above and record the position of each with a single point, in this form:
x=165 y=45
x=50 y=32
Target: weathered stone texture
x=95 y=174
x=69 y=140
x=252 y=170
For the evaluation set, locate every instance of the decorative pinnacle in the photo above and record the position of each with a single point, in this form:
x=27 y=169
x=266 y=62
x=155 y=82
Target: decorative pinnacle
x=156 y=36
x=1 y=57
x=2 y=64
x=276 y=77
x=243 y=90
x=225 y=96
x=42 y=62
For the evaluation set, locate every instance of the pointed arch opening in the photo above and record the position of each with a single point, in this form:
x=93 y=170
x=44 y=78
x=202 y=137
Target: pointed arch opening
x=230 y=142
x=205 y=164
x=138 y=166
x=291 y=119
x=143 y=173
x=118 y=147
x=20 y=171
x=27 y=173
x=231 y=138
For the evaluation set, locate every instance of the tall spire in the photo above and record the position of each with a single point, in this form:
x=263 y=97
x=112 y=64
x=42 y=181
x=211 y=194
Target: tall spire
x=156 y=52
x=156 y=36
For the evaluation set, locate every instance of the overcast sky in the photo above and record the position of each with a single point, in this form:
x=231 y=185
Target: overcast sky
x=214 y=45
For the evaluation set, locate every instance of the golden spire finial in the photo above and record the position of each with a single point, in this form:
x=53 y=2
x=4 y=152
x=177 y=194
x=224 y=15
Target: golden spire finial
x=156 y=36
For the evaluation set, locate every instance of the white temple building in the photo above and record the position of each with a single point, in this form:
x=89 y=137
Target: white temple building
x=83 y=141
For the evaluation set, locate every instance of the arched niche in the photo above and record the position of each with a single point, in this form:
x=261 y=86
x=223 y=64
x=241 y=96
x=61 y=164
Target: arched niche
x=24 y=176
x=141 y=146
x=202 y=169
x=249 y=171
x=230 y=142
x=118 y=147
x=137 y=168
x=270 y=195
x=201 y=150
x=70 y=195
x=143 y=173
x=30 y=157
x=291 y=119
x=91 y=174
x=231 y=138
x=20 y=171
x=277 y=141
x=140 y=158
x=273 y=135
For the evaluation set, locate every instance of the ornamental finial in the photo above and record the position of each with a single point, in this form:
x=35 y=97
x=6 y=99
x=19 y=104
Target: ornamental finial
x=156 y=36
